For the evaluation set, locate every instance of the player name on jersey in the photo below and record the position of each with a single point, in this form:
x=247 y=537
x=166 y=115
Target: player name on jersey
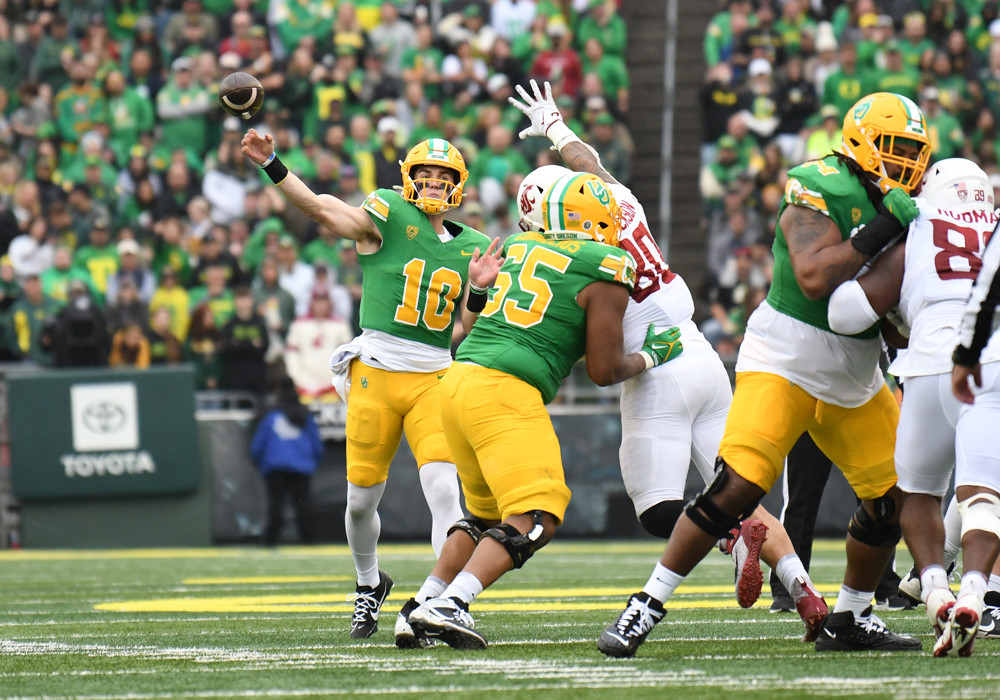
x=971 y=216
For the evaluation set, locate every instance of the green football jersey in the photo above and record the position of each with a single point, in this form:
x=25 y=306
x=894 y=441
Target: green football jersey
x=532 y=326
x=828 y=187
x=412 y=285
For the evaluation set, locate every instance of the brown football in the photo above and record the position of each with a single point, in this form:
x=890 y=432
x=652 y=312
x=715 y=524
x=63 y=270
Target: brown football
x=241 y=95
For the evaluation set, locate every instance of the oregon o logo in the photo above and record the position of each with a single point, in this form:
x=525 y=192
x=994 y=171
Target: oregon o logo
x=599 y=192
x=103 y=417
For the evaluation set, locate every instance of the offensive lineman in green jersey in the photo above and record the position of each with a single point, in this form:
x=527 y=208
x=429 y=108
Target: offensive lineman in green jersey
x=559 y=295
x=793 y=375
x=416 y=267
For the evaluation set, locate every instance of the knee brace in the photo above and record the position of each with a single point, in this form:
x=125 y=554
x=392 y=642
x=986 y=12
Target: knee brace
x=520 y=547
x=876 y=531
x=472 y=526
x=659 y=520
x=981 y=512
x=708 y=516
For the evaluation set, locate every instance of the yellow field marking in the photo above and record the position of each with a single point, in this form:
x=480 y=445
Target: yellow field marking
x=318 y=604
x=224 y=581
x=551 y=599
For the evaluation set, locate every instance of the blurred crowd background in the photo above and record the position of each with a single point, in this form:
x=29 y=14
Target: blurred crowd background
x=781 y=75
x=133 y=230
x=136 y=232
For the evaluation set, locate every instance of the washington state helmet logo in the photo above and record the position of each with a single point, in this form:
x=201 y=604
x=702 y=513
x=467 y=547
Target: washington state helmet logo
x=527 y=199
x=411 y=232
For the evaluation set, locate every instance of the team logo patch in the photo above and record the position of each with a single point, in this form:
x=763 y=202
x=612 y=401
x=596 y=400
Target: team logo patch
x=411 y=232
x=364 y=382
x=855 y=216
x=962 y=190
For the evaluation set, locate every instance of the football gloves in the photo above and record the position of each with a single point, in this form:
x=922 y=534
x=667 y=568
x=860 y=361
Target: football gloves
x=661 y=347
x=901 y=205
x=541 y=110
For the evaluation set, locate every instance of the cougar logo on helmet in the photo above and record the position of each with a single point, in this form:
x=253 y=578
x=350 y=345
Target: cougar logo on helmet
x=875 y=127
x=580 y=205
x=529 y=195
x=957 y=183
x=434 y=152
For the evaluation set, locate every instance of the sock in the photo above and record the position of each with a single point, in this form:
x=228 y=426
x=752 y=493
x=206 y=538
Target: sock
x=465 y=587
x=439 y=481
x=433 y=588
x=363 y=527
x=790 y=569
x=952 y=533
x=994 y=584
x=973 y=583
x=855 y=601
x=662 y=583
x=931 y=578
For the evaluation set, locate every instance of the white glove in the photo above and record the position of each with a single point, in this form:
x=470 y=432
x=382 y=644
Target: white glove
x=542 y=111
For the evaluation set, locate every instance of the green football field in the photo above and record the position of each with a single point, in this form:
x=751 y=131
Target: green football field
x=246 y=623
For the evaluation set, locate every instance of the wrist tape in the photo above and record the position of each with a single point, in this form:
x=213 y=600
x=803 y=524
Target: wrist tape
x=477 y=299
x=877 y=233
x=275 y=169
x=647 y=357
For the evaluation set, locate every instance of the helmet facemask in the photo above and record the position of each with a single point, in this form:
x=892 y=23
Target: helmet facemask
x=875 y=127
x=434 y=152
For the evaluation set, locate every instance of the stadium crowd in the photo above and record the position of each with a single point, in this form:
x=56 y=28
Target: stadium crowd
x=781 y=75
x=135 y=232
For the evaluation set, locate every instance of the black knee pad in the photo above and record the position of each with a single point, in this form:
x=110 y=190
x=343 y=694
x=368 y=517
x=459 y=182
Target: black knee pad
x=472 y=526
x=659 y=520
x=520 y=547
x=708 y=516
x=877 y=531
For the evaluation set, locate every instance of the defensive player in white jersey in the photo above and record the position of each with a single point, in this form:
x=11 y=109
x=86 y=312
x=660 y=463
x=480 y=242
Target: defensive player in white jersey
x=927 y=279
x=977 y=472
x=675 y=415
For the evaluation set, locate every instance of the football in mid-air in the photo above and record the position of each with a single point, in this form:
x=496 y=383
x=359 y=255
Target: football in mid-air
x=241 y=95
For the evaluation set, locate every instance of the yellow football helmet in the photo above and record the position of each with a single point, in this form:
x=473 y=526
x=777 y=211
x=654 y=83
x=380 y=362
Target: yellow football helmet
x=580 y=205
x=874 y=127
x=434 y=152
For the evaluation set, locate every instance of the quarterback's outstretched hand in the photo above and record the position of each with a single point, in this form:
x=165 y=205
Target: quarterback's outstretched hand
x=256 y=147
x=541 y=110
x=483 y=269
x=661 y=347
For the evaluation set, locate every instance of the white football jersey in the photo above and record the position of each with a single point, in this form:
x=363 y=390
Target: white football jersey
x=659 y=296
x=943 y=256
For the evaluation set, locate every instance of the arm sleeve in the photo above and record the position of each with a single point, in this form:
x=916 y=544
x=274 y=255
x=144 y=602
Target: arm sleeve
x=849 y=311
x=977 y=322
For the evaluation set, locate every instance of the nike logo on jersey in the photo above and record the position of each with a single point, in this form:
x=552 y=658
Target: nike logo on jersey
x=468 y=254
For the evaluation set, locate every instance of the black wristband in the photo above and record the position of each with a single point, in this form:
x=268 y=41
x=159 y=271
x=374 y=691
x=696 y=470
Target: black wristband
x=476 y=302
x=877 y=233
x=965 y=357
x=276 y=170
